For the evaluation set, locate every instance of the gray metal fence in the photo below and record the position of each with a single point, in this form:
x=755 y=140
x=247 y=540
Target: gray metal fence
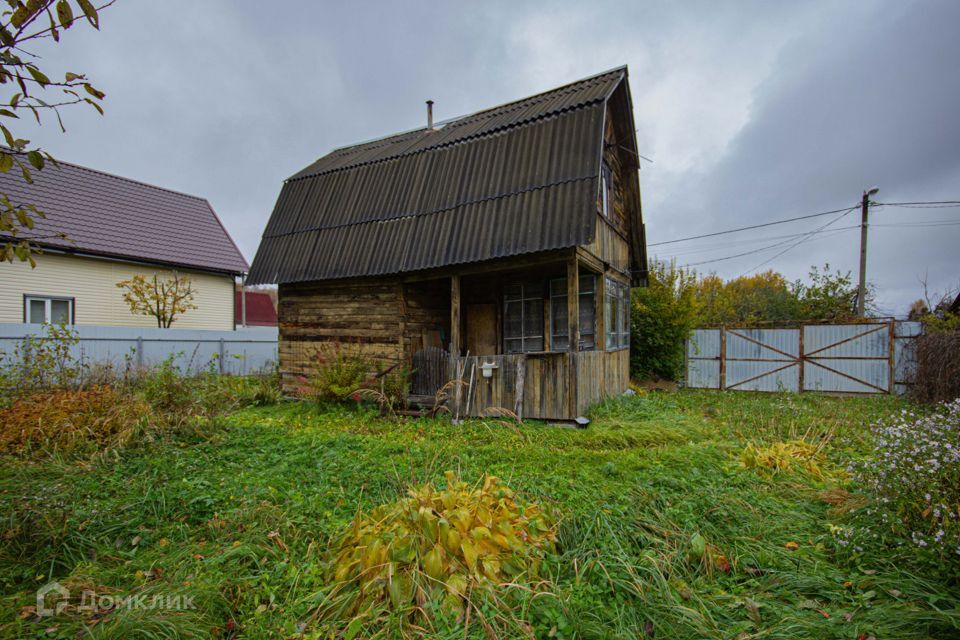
x=863 y=357
x=239 y=352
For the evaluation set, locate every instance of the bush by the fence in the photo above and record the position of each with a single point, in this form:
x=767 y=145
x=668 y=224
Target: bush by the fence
x=662 y=316
x=937 y=376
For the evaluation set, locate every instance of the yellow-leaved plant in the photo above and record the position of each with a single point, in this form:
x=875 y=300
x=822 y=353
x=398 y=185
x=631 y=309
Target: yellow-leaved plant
x=436 y=546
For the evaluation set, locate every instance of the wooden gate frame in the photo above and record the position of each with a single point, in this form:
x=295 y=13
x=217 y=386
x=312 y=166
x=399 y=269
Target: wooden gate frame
x=803 y=357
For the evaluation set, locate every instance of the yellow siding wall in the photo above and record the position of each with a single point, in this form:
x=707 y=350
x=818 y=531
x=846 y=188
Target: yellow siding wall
x=92 y=283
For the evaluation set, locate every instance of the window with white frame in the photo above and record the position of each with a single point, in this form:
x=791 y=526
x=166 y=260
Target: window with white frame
x=523 y=317
x=559 y=325
x=47 y=309
x=616 y=315
x=606 y=191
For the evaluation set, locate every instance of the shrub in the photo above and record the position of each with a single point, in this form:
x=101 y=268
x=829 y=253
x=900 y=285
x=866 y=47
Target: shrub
x=913 y=477
x=436 y=547
x=70 y=422
x=337 y=374
x=937 y=375
x=662 y=315
x=41 y=362
x=785 y=457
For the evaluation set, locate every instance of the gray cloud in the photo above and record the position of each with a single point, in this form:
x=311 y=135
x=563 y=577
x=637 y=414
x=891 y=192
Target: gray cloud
x=751 y=111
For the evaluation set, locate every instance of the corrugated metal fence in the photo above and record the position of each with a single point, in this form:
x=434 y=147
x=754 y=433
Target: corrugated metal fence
x=866 y=357
x=239 y=352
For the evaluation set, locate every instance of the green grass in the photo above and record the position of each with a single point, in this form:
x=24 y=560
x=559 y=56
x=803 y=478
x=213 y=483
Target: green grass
x=241 y=521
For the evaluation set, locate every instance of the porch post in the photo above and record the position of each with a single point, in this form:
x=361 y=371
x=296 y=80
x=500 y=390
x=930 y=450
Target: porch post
x=455 y=316
x=573 y=332
x=573 y=303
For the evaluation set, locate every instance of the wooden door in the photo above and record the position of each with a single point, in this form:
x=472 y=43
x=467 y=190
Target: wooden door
x=482 y=329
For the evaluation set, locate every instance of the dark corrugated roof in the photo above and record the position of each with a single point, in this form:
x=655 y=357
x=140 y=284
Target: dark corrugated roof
x=107 y=215
x=514 y=179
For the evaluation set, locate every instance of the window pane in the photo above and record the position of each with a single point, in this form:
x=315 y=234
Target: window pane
x=534 y=344
x=558 y=316
x=587 y=283
x=609 y=314
x=512 y=324
x=532 y=318
x=514 y=346
x=60 y=311
x=587 y=322
x=533 y=289
x=513 y=292
x=36 y=311
x=558 y=287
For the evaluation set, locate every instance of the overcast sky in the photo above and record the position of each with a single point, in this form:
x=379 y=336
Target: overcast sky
x=749 y=111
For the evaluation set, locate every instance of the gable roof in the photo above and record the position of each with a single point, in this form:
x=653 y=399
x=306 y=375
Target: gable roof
x=110 y=216
x=260 y=309
x=514 y=179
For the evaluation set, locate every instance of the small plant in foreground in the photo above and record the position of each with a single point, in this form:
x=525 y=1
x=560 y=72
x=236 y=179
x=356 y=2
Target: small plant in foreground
x=436 y=547
x=41 y=362
x=785 y=457
x=913 y=476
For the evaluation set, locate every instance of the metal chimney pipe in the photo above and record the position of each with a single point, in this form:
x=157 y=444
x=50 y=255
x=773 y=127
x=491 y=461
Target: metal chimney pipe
x=430 y=115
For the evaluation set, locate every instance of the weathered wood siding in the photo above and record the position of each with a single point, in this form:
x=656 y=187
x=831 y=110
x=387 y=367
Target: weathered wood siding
x=547 y=381
x=600 y=374
x=359 y=317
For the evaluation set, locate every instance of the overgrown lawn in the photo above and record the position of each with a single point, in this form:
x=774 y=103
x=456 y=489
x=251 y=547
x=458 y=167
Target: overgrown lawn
x=664 y=532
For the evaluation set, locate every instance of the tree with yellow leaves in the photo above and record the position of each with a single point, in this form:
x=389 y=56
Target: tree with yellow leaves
x=164 y=298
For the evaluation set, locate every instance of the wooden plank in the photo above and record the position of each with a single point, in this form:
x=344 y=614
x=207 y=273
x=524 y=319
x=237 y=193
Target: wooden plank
x=519 y=387
x=455 y=315
x=573 y=327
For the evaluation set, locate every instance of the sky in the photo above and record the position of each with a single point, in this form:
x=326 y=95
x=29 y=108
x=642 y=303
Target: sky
x=749 y=112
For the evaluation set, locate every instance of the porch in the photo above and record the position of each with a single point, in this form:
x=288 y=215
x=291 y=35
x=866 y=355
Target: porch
x=537 y=340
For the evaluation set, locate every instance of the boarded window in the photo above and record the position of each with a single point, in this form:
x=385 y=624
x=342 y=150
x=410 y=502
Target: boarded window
x=616 y=315
x=559 y=324
x=523 y=317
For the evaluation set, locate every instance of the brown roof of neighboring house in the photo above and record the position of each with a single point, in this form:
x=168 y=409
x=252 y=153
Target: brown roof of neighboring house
x=260 y=309
x=514 y=179
x=104 y=214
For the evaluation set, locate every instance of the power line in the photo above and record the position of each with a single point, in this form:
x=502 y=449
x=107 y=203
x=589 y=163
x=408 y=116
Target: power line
x=755 y=226
x=939 y=204
x=806 y=236
x=747 y=241
x=801 y=241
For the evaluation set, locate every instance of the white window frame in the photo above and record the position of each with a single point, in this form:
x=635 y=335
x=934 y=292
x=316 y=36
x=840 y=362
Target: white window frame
x=47 y=307
x=616 y=315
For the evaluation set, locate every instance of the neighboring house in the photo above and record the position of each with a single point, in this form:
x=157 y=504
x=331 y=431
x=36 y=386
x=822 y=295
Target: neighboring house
x=255 y=309
x=513 y=235
x=117 y=228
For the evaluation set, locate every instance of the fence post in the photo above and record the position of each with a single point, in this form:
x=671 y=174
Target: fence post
x=892 y=349
x=723 y=358
x=139 y=352
x=800 y=361
x=221 y=356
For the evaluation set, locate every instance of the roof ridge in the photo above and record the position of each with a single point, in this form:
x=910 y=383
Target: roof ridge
x=467 y=117
x=465 y=121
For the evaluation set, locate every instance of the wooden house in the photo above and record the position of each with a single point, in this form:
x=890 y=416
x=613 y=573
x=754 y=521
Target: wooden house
x=502 y=244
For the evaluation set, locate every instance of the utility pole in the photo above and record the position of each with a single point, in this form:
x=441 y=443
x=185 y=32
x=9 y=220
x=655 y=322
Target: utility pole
x=864 y=208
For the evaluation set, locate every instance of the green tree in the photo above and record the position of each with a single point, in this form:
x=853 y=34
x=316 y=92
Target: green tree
x=662 y=315
x=30 y=90
x=831 y=296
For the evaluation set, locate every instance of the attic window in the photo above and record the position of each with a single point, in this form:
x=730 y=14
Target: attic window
x=605 y=196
